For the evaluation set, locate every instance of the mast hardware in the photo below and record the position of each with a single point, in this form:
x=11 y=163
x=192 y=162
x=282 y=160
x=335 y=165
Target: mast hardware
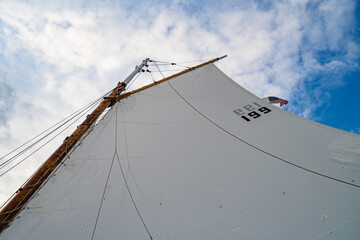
x=122 y=85
x=137 y=69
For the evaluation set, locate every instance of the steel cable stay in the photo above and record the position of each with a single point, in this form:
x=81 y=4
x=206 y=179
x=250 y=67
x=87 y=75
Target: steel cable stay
x=179 y=64
x=175 y=63
x=152 y=77
x=171 y=70
x=74 y=113
x=38 y=141
x=67 y=120
x=40 y=181
x=129 y=85
x=159 y=69
x=43 y=180
x=160 y=63
x=2 y=174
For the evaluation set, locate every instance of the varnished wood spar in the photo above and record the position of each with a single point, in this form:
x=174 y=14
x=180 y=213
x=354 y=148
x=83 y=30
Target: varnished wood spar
x=14 y=206
x=23 y=195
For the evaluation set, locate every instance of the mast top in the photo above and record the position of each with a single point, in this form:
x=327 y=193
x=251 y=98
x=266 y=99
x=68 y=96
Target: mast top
x=137 y=69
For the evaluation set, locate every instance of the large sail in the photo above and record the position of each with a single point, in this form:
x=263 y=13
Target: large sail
x=199 y=157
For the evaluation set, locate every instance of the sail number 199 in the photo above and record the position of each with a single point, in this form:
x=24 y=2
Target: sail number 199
x=250 y=112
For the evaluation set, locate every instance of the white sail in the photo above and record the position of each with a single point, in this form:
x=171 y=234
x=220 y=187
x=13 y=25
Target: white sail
x=199 y=157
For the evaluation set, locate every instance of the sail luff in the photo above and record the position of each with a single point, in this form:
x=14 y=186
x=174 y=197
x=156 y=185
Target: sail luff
x=24 y=194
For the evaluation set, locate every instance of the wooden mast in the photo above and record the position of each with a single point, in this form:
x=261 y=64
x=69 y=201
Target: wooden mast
x=24 y=194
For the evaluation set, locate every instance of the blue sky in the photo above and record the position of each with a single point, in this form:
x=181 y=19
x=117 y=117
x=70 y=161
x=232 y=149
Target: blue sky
x=57 y=56
x=340 y=111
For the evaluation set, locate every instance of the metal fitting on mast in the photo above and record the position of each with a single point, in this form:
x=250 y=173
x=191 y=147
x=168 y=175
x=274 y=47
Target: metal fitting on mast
x=121 y=86
x=137 y=70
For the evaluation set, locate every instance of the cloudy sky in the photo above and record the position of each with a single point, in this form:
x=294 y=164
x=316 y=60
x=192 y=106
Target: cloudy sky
x=57 y=56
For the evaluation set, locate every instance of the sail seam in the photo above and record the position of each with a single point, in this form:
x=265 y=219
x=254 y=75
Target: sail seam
x=259 y=149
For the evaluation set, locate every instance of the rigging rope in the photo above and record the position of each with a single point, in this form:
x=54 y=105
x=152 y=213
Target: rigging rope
x=257 y=148
x=33 y=144
x=42 y=146
x=168 y=63
x=123 y=175
x=172 y=70
x=41 y=180
x=172 y=63
x=102 y=198
x=152 y=77
x=159 y=69
x=132 y=198
x=75 y=113
x=83 y=110
x=129 y=85
x=125 y=181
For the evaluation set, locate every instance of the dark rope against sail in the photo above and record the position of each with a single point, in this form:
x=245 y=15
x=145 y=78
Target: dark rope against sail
x=132 y=198
x=125 y=181
x=123 y=175
x=259 y=149
x=102 y=197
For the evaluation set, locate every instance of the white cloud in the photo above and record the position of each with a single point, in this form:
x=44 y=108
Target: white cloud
x=70 y=53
